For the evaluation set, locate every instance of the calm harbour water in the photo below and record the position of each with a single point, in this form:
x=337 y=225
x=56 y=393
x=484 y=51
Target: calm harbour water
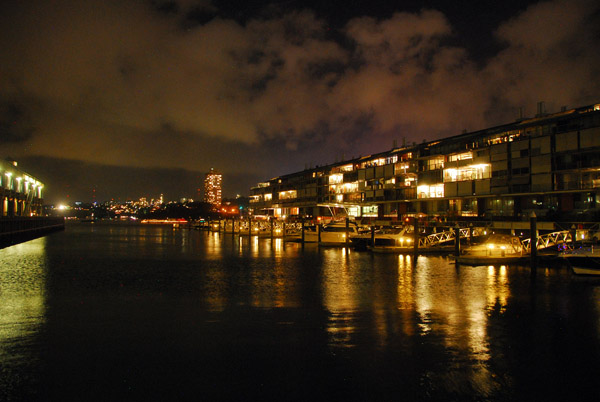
x=123 y=312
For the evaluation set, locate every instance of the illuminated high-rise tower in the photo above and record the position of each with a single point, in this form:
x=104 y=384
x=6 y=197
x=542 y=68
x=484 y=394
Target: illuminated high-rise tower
x=212 y=187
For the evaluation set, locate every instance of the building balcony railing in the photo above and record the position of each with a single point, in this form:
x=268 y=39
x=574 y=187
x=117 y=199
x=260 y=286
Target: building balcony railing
x=577 y=185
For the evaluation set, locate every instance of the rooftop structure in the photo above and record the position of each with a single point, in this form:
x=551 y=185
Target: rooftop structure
x=20 y=193
x=548 y=164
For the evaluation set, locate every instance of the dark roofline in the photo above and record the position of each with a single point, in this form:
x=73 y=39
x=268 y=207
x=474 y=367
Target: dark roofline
x=521 y=123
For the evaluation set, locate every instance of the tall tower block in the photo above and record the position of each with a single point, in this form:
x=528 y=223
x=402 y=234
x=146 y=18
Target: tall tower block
x=212 y=187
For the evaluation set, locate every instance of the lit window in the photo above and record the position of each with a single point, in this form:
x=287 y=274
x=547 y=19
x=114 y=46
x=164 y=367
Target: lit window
x=471 y=172
x=435 y=163
x=336 y=178
x=430 y=191
x=343 y=188
x=286 y=195
x=460 y=157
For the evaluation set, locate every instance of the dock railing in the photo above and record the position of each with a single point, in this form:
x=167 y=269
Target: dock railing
x=548 y=240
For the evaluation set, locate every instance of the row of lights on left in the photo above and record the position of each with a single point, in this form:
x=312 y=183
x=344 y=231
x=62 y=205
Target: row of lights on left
x=28 y=181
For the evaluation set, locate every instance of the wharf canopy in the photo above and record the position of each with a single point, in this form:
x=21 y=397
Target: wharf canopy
x=20 y=193
x=548 y=164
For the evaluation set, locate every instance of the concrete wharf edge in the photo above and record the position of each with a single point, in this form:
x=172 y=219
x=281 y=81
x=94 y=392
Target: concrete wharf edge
x=14 y=230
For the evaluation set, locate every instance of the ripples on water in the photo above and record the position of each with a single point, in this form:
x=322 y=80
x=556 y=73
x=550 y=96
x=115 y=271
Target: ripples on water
x=22 y=316
x=119 y=312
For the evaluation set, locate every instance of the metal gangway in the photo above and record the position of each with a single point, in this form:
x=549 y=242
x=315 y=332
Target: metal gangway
x=447 y=236
x=548 y=240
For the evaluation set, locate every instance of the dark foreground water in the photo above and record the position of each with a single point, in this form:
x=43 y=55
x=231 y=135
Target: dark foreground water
x=115 y=312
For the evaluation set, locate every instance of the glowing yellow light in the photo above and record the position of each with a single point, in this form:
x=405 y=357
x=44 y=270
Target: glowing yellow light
x=336 y=178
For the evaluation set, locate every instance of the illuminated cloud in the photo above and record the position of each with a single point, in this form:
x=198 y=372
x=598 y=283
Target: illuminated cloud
x=551 y=55
x=130 y=83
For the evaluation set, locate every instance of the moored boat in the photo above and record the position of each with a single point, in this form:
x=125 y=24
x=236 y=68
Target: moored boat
x=332 y=234
x=393 y=240
x=583 y=260
x=363 y=241
x=497 y=249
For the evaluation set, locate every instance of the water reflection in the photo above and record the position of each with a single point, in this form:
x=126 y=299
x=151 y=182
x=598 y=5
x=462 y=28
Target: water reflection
x=340 y=295
x=405 y=298
x=191 y=311
x=22 y=289
x=264 y=273
x=596 y=307
x=498 y=288
x=22 y=309
x=455 y=303
x=453 y=306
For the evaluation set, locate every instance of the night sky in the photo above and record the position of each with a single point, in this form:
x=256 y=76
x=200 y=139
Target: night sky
x=130 y=98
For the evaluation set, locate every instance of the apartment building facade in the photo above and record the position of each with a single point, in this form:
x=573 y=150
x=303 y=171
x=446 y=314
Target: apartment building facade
x=548 y=164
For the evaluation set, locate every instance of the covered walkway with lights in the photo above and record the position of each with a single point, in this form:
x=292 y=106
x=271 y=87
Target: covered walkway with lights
x=20 y=193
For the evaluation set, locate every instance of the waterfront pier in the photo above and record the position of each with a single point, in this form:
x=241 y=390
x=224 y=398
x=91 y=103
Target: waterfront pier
x=21 y=206
x=15 y=230
x=460 y=238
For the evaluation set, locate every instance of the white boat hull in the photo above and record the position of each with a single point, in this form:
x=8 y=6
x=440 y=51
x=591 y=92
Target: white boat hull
x=585 y=271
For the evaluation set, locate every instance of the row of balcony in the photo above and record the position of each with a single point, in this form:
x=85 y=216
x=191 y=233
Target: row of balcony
x=393 y=192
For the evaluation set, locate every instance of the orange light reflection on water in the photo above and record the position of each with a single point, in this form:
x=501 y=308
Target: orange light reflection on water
x=340 y=296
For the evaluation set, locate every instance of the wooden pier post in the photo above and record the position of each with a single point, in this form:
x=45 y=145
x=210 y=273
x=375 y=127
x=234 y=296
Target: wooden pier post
x=318 y=233
x=347 y=231
x=372 y=235
x=457 y=240
x=470 y=233
x=533 y=241
x=416 y=235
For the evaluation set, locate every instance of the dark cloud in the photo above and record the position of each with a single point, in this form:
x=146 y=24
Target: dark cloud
x=136 y=85
x=15 y=123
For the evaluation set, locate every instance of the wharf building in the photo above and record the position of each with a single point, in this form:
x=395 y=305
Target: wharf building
x=548 y=164
x=20 y=193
